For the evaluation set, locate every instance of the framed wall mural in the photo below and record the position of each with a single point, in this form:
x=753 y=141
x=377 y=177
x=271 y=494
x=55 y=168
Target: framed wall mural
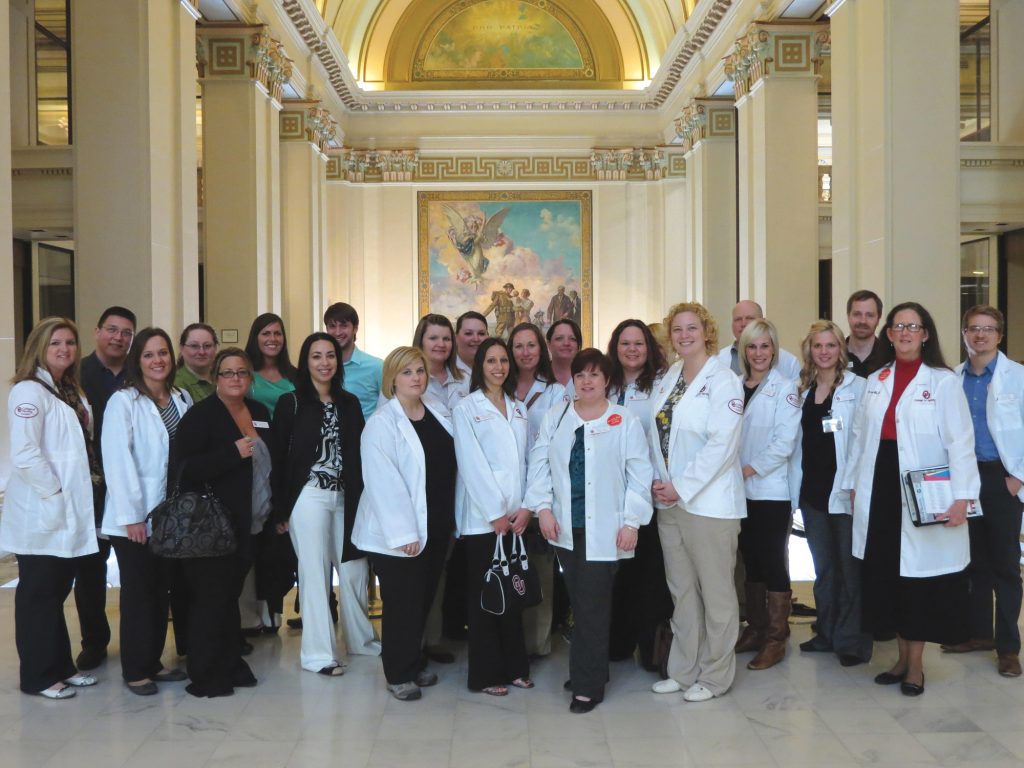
x=513 y=256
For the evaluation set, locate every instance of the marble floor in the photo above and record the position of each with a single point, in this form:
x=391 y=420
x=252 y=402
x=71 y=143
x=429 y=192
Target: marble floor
x=808 y=711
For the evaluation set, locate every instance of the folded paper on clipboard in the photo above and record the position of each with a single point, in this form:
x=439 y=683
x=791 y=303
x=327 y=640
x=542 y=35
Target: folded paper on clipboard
x=930 y=494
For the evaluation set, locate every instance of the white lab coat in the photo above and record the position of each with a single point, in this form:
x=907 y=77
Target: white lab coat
x=1004 y=413
x=637 y=402
x=845 y=400
x=704 y=442
x=48 y=507
x=551 y=395
x=933 y=428
x=618 y=476
x=393 y=508
x=771 y=425
x=491 y=450
x=135 y=456
x=788 y=364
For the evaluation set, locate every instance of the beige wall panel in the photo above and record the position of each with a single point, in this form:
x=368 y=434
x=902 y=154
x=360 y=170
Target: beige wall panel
x=7 y=361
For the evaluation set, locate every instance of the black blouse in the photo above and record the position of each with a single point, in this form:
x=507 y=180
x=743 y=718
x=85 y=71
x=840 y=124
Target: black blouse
x=439 y=452
x=819 y=454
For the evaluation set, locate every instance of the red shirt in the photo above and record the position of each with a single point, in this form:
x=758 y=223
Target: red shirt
x=905 y=373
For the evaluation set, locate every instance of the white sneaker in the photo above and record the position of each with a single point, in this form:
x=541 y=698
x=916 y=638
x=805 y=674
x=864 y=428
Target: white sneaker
x=697 y=692
x=666 y=686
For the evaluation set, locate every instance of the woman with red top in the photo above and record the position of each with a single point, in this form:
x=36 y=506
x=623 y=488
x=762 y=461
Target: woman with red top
x=913 y=415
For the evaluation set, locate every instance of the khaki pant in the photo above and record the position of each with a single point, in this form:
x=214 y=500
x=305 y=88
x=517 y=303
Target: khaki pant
x=700 y=557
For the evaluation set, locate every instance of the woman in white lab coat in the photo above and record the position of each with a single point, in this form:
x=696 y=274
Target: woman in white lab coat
x=406 y=513
x=830 y=395
x=589 y=483
x=771 y=421
x=641 y=600
x=47 y=519
x=695 y=435
x=141 y=422
x=914 y=415
x=447 y=384
x=490 y=444
x=538 y=391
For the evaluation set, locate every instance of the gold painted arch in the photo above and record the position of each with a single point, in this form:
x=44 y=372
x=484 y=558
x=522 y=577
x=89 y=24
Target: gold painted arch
x=502 y=44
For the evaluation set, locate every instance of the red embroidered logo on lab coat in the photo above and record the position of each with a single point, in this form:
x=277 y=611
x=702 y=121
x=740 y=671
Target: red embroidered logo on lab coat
x=884 y=374
x=614 y=420
x=926 y=395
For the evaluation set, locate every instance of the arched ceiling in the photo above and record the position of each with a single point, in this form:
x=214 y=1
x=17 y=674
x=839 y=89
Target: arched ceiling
x=400 y=45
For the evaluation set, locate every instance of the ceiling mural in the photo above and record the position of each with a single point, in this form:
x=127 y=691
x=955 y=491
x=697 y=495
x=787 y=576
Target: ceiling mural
x=503 y=39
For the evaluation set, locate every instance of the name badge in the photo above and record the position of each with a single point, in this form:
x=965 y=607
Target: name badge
x=260 y=424
x=831 y=423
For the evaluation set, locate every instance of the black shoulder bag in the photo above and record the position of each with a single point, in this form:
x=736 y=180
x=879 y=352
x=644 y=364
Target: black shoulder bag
x=193 y=524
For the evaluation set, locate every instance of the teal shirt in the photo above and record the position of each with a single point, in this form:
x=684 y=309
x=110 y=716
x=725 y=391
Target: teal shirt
x=267 y=392
x=578 y=480
x=362 y=379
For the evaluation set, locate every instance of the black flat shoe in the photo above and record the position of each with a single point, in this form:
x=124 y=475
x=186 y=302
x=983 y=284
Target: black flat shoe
x=816 y=644
x=888 y=678
x=173 y=676
x=582 y=706
x=143 y=689
x=567 y=685
x=849 y=660
x=246 y=648
x=294 y=623
x=912 y=689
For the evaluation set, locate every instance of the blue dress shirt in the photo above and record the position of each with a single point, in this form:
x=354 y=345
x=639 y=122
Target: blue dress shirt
x=976 y=389
x=362 y=379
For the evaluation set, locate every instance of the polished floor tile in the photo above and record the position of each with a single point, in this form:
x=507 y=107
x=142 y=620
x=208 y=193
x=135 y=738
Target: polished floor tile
x=807 y=711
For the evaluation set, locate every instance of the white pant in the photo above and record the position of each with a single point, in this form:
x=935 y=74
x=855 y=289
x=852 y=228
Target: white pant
x=317 y=530
x=253 y=612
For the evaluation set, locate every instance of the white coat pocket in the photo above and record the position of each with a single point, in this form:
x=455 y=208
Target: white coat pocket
x=51 y=512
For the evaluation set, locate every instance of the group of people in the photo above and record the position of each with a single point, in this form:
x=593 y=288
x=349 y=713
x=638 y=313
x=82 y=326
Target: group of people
x=652 y=483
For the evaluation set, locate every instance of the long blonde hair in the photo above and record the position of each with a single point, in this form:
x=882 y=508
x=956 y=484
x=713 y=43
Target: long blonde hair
x=34 y=354
x=808 y=370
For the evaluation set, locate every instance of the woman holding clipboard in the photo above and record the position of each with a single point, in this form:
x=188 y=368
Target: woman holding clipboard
x=913 y=415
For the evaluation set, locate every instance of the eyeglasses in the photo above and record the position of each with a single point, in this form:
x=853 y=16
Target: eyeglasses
x=912 y=327
x=240 y=374
x=113 y=330
x=985 y=329
x=204 y=347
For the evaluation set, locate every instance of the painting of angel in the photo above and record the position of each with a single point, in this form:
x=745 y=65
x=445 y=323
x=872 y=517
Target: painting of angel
x=512 y=256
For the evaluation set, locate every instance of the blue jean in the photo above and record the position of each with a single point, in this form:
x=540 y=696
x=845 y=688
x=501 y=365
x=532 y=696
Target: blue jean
x=837 y=582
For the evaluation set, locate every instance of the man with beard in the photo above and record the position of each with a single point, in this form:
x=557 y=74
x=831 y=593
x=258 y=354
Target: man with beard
x=864 y=349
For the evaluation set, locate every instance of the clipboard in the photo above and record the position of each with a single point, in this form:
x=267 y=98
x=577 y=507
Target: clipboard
x=929 y=495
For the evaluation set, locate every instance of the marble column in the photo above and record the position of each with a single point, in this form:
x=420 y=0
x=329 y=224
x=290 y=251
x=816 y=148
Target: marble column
x=136 y=220
x=774 y=68
x=708 y=128
x=242 y=71
x=305 y=129
x=896 y=161
x=7 y=358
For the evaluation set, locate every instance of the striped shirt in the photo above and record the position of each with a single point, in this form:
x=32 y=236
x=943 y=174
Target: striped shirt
x=170 y=417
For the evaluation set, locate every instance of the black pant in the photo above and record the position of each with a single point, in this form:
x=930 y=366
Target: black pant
x=215 y=662
x=590 y=584
x=179 y=602
x=764 y=533
x=144 y=597
x=407 y=587
x=640 y=599
x=497 y=650
x=453 y=610
x=91 y=597
x=40 y=632
x=995 y=561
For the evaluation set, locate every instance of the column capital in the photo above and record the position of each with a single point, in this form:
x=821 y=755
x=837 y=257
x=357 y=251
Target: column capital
x=242 y=51
x=307 y=120
x=776 y=50
x=705 y=118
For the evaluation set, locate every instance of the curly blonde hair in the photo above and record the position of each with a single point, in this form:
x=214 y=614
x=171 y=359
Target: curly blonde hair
x=706 y=320
x=808 y=370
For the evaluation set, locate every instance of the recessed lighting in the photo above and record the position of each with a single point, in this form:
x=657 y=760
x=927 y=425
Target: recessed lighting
x=978 y=272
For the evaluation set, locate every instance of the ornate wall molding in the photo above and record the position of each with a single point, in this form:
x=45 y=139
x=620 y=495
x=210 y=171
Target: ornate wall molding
x=618 y=164
x=233 y=51
x=784 y=50
x=315 y=34
x=705 y=118
x=307 y=121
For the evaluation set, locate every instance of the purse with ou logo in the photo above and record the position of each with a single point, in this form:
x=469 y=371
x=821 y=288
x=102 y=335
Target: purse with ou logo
x=510 y=584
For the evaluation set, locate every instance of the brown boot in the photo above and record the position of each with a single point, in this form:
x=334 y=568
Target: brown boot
x=752 y=637
x=774 y=649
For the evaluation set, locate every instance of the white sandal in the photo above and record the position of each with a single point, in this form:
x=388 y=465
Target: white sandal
x=81 y=681
x=66 y=692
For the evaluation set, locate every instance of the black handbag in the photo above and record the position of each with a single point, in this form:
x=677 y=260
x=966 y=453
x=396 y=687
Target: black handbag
x=510 y=585
x=193 y=524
